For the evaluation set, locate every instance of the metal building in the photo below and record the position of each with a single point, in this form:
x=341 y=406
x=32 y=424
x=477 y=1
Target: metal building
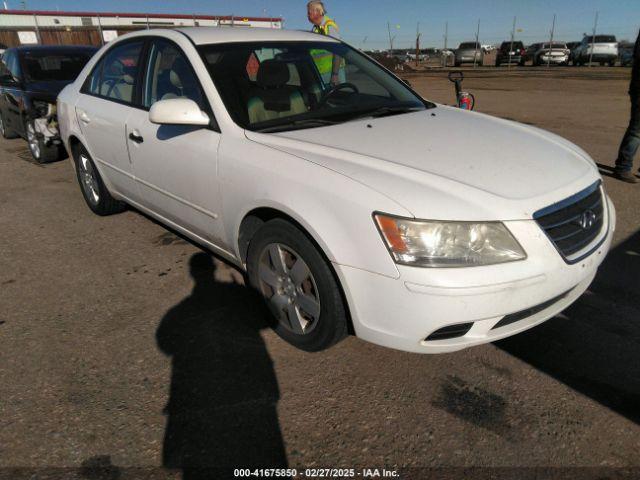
x=23 y=27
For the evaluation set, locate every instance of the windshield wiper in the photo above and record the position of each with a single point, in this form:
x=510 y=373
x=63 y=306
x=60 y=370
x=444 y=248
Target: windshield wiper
x=297 y=125
x=386 y=111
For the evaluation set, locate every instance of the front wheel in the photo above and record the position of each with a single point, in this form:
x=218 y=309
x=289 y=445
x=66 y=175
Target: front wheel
x=5 y=131
x=94 y=191
x=298 y=285
x=40 y=151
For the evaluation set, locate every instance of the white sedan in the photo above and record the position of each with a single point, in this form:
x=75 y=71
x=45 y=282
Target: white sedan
x=352 y=203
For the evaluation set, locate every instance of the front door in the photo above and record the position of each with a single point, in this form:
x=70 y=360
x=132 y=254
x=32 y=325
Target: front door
x=103 y=107
x=176 y=165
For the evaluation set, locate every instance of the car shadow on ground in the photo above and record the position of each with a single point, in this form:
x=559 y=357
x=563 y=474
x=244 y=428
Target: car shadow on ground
x=594 y=346
x=221 y=411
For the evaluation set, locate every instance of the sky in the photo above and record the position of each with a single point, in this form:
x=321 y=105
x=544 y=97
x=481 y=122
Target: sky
x=363 y=23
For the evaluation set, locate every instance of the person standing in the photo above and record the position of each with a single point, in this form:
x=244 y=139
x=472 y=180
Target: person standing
x=329 y=65
x=631 y=139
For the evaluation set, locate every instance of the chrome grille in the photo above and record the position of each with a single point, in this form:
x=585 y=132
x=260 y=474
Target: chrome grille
x=573 y=224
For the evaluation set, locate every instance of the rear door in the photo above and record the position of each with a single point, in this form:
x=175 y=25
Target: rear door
x=106 y=100
x=176 y=166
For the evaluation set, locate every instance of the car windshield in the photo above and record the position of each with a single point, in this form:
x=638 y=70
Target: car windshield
x=46 y=66
x=556 y=45
x=469 y=46
x=281 y=86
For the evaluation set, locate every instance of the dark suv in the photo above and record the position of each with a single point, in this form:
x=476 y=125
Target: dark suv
x=510 y=55
x=30 y=79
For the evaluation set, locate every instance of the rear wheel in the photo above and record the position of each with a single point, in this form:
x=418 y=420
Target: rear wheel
x=612 y=63
x=5 y=130
x=93 y=189
x=40 y=151
x=298 y=285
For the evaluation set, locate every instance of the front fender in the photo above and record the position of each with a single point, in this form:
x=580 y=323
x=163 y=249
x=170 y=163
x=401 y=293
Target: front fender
x=334 y=209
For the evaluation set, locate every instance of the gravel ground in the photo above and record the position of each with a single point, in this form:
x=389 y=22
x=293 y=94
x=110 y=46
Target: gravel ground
x=110 y=359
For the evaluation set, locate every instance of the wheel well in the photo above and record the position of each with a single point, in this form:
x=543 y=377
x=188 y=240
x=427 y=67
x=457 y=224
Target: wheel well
x=252 y=222
x=74 y=142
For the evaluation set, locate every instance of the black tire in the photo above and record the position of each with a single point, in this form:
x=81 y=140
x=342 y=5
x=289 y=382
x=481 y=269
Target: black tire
x=612 y=63
x=5 y=130
x=331 y=325
x=102 y=203
x=456 y=64
x=40 y=152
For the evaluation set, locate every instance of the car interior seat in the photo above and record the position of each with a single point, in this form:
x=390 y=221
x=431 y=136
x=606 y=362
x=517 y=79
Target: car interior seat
x=272 y=97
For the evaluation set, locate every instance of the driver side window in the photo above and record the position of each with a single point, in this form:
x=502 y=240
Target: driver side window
x=114 y=75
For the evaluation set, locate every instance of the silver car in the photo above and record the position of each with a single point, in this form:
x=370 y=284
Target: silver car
x=469 y=52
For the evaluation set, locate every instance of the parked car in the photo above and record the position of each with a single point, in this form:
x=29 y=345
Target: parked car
x=30 y=79
x=572 y=46
x=510 y=54
x=546 y=53
x=602 y=49
x=469 y=52
x=429 y=244
x=626 y=55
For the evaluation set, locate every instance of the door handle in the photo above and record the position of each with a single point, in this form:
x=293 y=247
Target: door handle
x=135 y=137
x=84 y=118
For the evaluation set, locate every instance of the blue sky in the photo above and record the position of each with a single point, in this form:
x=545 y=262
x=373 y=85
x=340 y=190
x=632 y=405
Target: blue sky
x=360 y=19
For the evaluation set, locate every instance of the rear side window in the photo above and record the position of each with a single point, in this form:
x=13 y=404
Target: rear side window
x=115 y=74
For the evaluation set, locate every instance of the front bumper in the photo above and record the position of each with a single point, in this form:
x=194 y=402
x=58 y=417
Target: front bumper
x=600 y=57
x=402 y=312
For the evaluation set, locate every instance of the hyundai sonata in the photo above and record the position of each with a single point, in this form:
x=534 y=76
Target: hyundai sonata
x=351 y=202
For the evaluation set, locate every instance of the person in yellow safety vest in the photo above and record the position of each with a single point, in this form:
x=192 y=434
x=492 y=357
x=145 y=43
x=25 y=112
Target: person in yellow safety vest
x=331 y=67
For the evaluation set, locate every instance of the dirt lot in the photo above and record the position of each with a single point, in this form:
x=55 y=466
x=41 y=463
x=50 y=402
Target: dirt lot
x=108 y=360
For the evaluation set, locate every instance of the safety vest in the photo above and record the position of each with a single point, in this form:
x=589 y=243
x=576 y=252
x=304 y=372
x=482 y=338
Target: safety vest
x=323 y=58
x=325 y=28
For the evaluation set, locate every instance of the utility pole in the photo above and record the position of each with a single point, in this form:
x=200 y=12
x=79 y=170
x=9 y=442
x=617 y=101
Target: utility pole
x=418 y=45
x=553 y=29
x=390 y=39
x=35 y=19
x=100 y=31
x=446 y=37
x=475 y=54
x=513 y=34
x=593 y=39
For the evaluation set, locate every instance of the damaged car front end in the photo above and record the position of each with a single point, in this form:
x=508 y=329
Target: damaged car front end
x=30 y=80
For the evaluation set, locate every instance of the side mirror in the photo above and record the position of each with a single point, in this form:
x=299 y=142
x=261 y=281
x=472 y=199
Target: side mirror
x=178 y=111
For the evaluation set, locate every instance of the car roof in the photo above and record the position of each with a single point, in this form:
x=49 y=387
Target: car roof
x=228 y=34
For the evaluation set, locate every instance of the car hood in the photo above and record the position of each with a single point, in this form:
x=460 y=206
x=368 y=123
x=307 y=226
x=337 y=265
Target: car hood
x=446 y=163
x=46 y=90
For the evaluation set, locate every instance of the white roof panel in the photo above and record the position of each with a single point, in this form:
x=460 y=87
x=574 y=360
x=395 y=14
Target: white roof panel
x=206 y=35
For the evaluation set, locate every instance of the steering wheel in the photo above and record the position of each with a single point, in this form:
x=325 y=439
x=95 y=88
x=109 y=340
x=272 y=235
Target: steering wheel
x=336 y=88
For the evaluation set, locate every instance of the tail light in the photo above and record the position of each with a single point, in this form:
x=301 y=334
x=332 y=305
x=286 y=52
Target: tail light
x=522 y=52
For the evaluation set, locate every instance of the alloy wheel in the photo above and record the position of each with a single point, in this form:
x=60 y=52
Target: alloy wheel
x=32 y=140
x=289 y=287
x=88 y=179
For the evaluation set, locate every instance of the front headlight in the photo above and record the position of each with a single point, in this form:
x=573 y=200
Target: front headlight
x=422 y=243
